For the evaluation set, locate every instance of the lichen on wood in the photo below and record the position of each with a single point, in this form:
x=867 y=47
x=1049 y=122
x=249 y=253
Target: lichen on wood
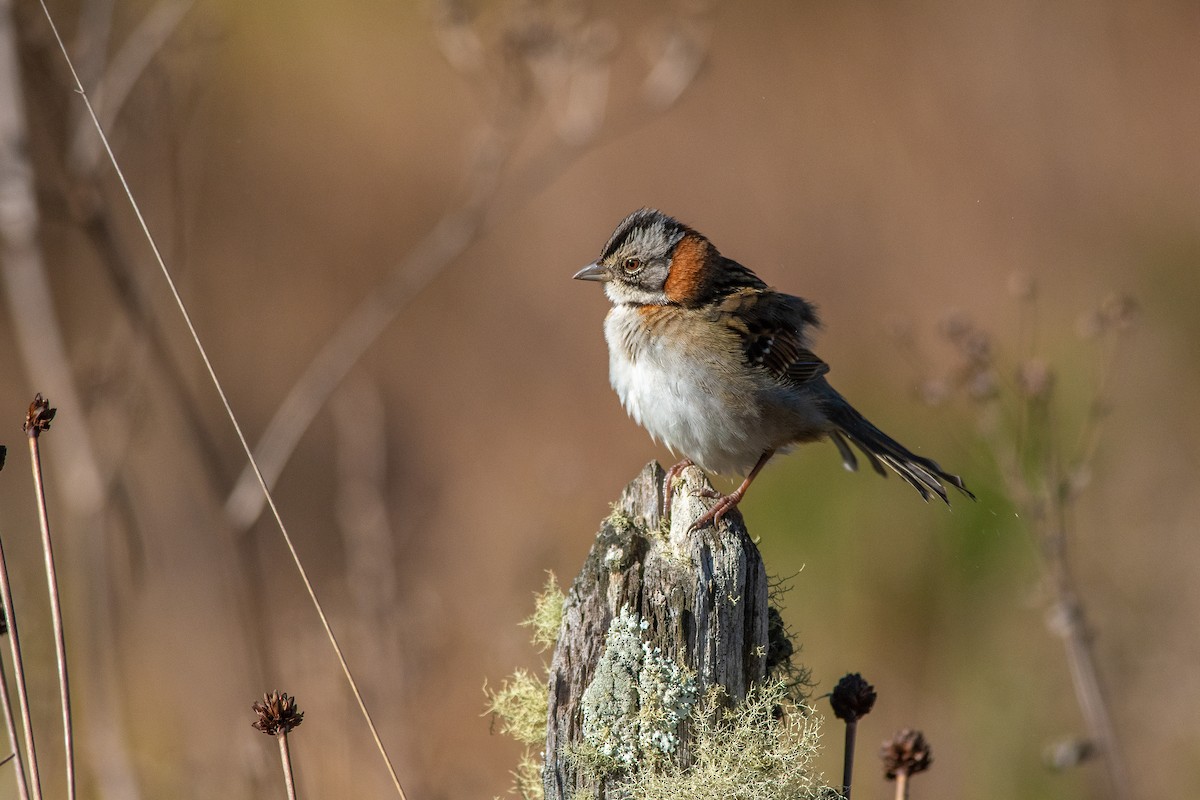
x=699 y=600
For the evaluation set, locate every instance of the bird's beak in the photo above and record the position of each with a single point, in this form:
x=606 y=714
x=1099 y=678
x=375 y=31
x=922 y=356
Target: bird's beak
x=592 y=272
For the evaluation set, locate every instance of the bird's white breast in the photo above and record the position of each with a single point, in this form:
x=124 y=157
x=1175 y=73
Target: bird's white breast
x=689 y=395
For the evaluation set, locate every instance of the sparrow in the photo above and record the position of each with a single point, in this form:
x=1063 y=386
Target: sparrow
x=716 y=364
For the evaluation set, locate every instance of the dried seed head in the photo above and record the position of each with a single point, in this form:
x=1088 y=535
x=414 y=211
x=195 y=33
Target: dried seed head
x=852 y=698
x=1120 y=311
x=976 y=346
x=1035 y=379
x=277 y=714
x=907 y=752
x=1079 y=479
x=1068 y=753
x=1117 y=312
x=39 y=416
x=933 y=392
x=954 y=325
x=981 y=385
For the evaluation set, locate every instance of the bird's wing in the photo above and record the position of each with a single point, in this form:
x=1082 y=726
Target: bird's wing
x=773 y=329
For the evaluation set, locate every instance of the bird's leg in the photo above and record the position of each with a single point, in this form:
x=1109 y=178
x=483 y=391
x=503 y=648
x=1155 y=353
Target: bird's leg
x=669 y=485
x=723 y=504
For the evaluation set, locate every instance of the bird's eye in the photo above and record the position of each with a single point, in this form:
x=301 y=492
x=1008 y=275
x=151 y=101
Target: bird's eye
x=632 y=265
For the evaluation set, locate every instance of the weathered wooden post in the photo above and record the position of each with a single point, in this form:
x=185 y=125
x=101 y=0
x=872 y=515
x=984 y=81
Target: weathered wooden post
x=696 y=599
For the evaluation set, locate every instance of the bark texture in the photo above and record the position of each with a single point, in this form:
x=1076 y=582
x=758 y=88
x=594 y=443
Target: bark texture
x=703 y=596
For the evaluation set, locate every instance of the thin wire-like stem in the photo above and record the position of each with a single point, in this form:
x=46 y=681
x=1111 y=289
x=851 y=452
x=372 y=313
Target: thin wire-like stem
x=285 y=756
x=848 y=758
x=10 y=723
x=60 y=641
x=218 y=386
x=901 y=786
x=14 y=644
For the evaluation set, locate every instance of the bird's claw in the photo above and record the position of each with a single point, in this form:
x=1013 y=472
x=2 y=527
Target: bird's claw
x=725 y=504
x=713 y=516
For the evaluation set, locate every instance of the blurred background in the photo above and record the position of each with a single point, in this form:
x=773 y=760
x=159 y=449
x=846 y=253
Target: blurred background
x=398 y=194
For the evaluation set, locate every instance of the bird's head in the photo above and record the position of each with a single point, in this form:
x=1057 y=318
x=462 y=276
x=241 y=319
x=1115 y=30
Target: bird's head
x=653 y=259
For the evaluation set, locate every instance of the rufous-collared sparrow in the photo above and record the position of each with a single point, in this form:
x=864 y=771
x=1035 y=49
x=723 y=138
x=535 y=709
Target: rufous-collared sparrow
x=716 y=365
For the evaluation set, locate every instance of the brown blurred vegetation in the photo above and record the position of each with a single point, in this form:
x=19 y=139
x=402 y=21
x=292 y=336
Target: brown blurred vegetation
x=889 y=161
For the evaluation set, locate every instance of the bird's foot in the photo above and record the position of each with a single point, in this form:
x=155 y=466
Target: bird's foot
x=669 y=485
x=725 y=504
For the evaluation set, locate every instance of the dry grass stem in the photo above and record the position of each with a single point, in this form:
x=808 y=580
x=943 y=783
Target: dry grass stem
x=368 y=539
x=285 y=757
x=127 y=65
x=1043 y=470
x=1045 y=478
x=31 y=307
x=203 y=353
x=14 y=643
x=10 y=621
x=38 y=420
x=848 y=758
x=10 y=725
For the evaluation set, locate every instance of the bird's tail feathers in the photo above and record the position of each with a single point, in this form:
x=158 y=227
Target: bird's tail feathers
x=881 y=450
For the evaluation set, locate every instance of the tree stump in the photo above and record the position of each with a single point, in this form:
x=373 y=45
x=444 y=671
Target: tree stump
x=700 y=598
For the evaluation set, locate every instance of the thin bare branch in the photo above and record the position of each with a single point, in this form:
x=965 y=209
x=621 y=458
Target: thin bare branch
x=123 y=72
x=341 y=352
x=30 y=302
x=359 y=418
x=678 y=58
x=1068 y=620
x=450 y=237
x=576 y=90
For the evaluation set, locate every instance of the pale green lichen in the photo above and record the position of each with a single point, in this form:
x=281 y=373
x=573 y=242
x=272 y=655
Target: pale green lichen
x=614 y=558
x=547 y=614
x=636 y=701
x=521 y=704
x=663 y=531
x=634 y=710
x=761 y=749
x=620 y=521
